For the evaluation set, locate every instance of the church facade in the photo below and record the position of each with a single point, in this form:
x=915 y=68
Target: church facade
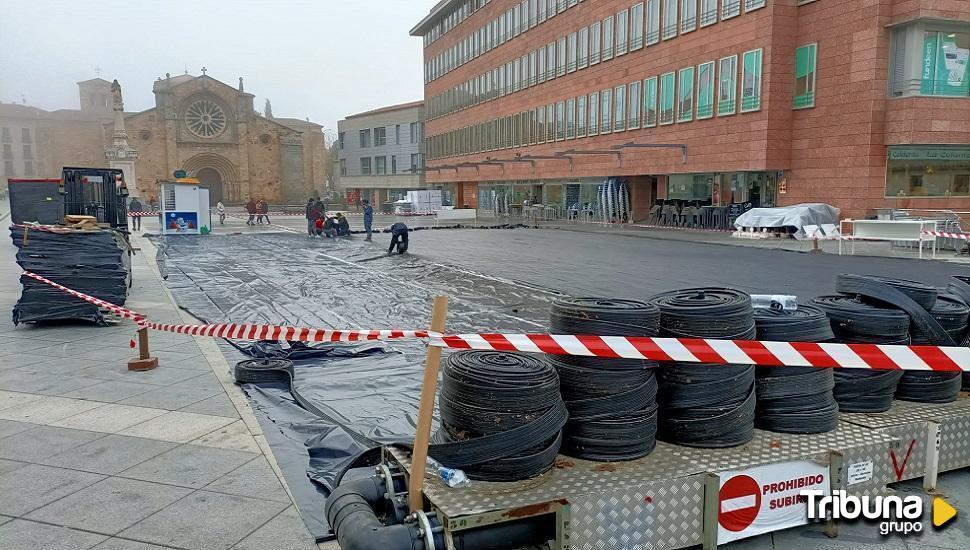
x=198 y=124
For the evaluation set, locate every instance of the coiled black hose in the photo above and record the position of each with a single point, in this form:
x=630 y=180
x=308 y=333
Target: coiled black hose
x=937 y=387
x=855 y=321
x=611 y=402
x=501 y=415
x=960 y=287
x=896 y=293
x=704 y=405
x=795 y=399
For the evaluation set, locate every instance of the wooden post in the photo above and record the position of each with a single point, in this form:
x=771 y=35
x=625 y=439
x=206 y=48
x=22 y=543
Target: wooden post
x=144 y=361
x=422 y=437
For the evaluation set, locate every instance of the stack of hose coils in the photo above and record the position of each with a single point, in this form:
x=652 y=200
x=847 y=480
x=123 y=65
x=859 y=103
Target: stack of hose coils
x=501 y=415
x=855 y=321
x=960 y=288
x=701 y=404
x=918 y=301
x=611 y=402
x=795 y=399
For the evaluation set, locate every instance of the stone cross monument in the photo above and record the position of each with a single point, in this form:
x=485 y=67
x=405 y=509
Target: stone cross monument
x=119 y=154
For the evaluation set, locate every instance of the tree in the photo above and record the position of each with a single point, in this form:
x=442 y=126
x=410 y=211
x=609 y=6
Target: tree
x=268 y=110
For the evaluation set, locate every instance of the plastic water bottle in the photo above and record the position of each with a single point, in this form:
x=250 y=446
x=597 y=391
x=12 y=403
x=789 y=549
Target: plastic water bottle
x=784 y=302
x=452 y=477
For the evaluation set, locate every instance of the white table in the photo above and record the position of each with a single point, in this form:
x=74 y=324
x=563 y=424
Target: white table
x=887 y=230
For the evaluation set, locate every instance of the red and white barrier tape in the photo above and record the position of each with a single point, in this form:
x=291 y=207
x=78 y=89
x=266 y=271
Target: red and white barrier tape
x=142 y=214
x=948 y=235
x=693 y=350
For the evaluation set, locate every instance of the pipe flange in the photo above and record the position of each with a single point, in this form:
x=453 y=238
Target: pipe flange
x=388 y=480
x=427 y=533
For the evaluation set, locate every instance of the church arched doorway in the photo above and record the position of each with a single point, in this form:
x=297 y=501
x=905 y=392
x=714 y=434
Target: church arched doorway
x=211 y=178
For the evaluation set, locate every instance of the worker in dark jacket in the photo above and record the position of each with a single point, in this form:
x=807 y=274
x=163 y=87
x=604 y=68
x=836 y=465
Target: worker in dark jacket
x=399 y=238
x=343 y=226
x=251 y=210
x=330 y=228
x=135 y=209
x=311 y=216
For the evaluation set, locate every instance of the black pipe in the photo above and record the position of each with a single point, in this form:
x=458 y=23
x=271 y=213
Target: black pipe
x=350 y=510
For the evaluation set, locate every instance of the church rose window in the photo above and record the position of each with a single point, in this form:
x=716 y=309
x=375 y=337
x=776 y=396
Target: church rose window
x=205 y=118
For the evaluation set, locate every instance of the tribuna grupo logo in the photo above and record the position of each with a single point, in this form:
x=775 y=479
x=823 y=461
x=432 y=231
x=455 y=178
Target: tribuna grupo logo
x=902 y=515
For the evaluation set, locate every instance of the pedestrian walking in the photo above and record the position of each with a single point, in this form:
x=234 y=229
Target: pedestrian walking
x=312 y=213
x=135 y=208
x=264 y=211
x=368 y=218
x=399 y=238
x=251 y=210
x=221 y=209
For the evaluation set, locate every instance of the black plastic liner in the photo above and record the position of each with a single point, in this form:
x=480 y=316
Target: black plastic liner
x=93 y=262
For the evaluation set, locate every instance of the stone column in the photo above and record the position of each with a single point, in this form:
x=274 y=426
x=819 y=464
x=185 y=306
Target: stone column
x=119 y=154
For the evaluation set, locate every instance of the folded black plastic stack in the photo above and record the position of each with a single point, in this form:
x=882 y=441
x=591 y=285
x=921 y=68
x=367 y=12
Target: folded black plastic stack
x=611 y=402
x=501 y=415
x=855 y=321
x=795 y=399
x=92 y=262
x=706 y=405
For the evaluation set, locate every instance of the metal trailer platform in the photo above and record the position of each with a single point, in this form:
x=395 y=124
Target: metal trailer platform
x=669 y=499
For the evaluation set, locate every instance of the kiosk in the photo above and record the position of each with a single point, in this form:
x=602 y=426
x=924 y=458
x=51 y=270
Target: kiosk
x=185 y=207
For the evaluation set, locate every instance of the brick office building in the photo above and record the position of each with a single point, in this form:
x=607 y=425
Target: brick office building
x=862 y=104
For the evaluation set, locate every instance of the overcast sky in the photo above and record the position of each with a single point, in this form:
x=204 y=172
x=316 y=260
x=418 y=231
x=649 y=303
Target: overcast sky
x=324 y=59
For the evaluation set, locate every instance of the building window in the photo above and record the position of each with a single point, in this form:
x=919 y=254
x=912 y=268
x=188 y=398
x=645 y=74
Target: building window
x=667 y=98
x=540 y=125
x=415 y=132
x=594 y=43
x=708 y=12
x=593 y=120
x=561 y=57
x=685 y=102
x=28 y=168
x=560 y=121
x=583 y=48
x=705 y=90
x=416 y=163
x=805 y=76
x=622 y=30
x=343 y=167
x=619 y=108
x=670 y=19
x=380 y=165
x=636 y=27
x=340 y=139
x=571 y=53
x=380 y=137
x=365 y=166
x=688 y=15
x=397 y=134
x=727 y=85
x=633 y=118
x=937 y=62
x=25 y=135
x=365 y=138
x=653 y=21
x=751 y=81
x=650 y=102
x=550 y=61
x=750 y=5
x=7 y=151
x=8 y=168
x=581 y=116
x=940 y=171
x=28 y=151
x=730 y=8
x=551 y=122
x=606 y=111
x=5 y=135
x=570 y=118
x=608 y=38
x=533 y=68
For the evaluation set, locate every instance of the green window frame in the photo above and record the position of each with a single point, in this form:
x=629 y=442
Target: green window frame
x=633 y=117
x=804 y=91
x=685 y=97
x=619 y=108
x=667 y=98
x=650 y=102
x=705 y=90
x=727 y=85
x=606 y=111
x=593 y=120
x=751 y=81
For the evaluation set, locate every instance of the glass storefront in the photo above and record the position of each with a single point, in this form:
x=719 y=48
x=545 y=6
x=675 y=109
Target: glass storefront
x=554 y=198
x=930 y=171
x=757 y=188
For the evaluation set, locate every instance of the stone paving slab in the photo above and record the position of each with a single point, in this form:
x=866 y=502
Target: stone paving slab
x=253 y=479
x=28 y=535
x=180 y=427
x=28 y=488
x=189 y=466
x=284 y=532
x=109 y=418
x=40 y=442
x=110 y=455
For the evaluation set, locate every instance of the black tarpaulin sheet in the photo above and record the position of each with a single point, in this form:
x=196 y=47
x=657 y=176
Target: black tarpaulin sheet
x=92 y=262
x=368 y=390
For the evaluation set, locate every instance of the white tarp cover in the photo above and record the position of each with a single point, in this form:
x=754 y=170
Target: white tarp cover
x=797 y=216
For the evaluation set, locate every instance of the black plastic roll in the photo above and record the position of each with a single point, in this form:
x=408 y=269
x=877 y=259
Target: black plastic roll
x=937 y=387
x=897 y=293
x=501 y=415
x=795 y=399
x=960 y=287
x=851 y=317
x=922 y=294
x=611 y=402
x=705 y=405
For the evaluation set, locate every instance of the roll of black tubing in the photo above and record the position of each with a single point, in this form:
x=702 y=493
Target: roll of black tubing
x=922 y=294
x=611 y=402
x=501 y=415
x=795 y=399
x=937 y=387
x=855 y=321
x=703 y=405
x=891 y=292
x=960 y=286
